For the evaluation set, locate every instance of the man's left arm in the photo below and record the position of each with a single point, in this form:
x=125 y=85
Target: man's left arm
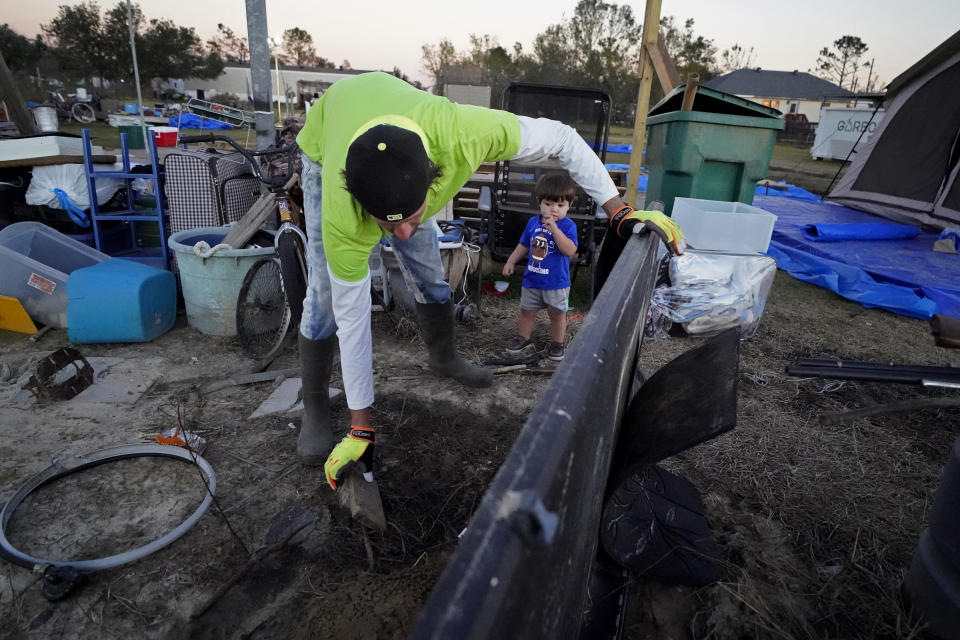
x=547 y=142
x=551 y=143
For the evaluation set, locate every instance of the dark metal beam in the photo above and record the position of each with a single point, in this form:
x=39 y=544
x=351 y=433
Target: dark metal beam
x=521 y=570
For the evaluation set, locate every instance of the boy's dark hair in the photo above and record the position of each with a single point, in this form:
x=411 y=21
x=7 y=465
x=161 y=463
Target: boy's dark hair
x=556 y=186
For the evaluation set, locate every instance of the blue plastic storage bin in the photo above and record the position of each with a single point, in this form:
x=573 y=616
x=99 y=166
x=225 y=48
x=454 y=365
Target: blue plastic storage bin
x=35 y=262
x=120 y=301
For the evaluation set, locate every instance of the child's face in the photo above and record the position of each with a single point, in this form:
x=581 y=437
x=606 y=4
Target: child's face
x=554 y=209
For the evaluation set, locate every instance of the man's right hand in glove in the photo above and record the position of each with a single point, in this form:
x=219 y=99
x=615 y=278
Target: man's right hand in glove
x=626 y=221
x=355 y=448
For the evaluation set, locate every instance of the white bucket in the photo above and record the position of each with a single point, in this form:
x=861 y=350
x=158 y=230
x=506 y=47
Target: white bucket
x=46 y=118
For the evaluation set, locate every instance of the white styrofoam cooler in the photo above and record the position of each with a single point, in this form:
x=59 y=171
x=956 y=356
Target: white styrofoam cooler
x=723 y=226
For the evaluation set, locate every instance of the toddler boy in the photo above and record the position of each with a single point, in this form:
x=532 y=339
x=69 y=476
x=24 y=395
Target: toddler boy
x=548 y=241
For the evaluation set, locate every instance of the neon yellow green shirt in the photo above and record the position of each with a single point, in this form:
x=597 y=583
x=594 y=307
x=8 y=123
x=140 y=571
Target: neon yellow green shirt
x=460 y=138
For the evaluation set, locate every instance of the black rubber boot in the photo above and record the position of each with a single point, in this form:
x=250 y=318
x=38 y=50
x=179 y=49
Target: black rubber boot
x=439 y=331
x=316 y=360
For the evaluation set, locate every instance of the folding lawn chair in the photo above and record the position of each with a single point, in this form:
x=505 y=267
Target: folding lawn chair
x=511 y=201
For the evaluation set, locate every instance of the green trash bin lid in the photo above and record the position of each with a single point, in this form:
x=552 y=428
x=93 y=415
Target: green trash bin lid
x=712 y=101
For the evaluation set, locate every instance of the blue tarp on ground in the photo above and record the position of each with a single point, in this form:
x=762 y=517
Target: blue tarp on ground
x=193 y=121
x=616 y=148
x=790 y=192
x=903 y=276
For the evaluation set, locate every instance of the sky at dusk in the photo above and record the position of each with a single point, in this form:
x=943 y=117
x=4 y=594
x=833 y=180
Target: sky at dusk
x=381 y=34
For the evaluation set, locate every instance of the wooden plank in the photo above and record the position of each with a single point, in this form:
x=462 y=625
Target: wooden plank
x=16 y=107
x=690 y=92
x=49 y=160
x=252 y=220
x=651 y=21
x=261 y=210
x=663 y=64
x=250 y=378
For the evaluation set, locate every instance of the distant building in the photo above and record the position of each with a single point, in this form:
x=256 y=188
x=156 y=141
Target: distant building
x=793 y=92
x=297 y=84
x=475 y=94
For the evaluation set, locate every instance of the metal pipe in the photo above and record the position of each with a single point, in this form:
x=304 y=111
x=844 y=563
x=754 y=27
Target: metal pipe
x=80 y=462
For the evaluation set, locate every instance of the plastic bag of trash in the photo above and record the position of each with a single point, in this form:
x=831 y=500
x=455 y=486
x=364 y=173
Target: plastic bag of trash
x=72 y=180
x=708 y=291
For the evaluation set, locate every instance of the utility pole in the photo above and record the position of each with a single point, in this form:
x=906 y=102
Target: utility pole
x=260 y=72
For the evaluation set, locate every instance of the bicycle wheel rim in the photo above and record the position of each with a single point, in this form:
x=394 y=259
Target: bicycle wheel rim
x=290 y=252
x=83 y=113
x=263 y=315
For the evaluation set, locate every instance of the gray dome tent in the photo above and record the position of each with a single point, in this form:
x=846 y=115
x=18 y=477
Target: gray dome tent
x=909 y=169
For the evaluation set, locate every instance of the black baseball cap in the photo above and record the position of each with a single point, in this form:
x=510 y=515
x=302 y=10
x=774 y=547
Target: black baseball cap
x=388 y=172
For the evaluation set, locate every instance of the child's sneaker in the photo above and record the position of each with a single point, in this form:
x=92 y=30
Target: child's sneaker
x=555 y=351
x=520 y=346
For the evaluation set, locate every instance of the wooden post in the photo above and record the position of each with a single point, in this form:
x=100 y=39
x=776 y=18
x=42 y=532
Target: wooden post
x=667 y=73
x=651 y=28
x=16 y=107
x=690 y=92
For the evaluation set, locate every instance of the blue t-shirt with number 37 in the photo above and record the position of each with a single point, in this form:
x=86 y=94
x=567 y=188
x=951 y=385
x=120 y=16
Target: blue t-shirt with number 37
x=547 y=268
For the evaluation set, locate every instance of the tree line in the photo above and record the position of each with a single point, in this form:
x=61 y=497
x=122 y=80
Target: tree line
x=82 y=43
x=598 y=46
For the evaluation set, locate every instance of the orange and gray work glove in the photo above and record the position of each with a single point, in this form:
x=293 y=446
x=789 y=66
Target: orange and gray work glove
x=355 y=448
x=626 y=221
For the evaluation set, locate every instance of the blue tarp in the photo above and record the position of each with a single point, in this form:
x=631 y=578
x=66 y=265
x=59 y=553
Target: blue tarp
x=193 y=121
x=832 y=232
x=790 y=192
x=641 y=180
x=616 y=148
x=903 y=276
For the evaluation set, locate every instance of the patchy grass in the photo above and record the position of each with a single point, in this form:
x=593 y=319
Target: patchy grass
x=818 y=523
x=109 y=137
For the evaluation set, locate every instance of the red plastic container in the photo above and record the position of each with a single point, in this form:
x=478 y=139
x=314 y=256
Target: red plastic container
x=165 y=136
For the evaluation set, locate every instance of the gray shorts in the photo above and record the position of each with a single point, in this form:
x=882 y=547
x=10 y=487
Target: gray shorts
x=536 y=299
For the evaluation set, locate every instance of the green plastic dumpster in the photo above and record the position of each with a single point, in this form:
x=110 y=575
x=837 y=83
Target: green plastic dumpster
x=134 y=136
x=717 y=151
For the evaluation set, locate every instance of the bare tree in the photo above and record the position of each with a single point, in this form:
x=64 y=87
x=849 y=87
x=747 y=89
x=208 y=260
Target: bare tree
x=841 y=63
x=230 y=46
x=437 y=61
x=736 y=57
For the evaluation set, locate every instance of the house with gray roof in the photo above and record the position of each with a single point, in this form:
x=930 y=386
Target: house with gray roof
x=795 y=92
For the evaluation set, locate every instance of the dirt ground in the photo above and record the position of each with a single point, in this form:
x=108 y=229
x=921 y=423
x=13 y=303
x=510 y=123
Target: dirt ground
x=817 y=524
x=438 y=447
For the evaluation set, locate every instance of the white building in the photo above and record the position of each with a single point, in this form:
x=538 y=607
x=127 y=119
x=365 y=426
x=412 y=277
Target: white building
x=296 y=83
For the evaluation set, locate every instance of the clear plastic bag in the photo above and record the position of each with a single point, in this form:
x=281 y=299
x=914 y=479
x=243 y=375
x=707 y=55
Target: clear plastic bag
x=709 y=292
